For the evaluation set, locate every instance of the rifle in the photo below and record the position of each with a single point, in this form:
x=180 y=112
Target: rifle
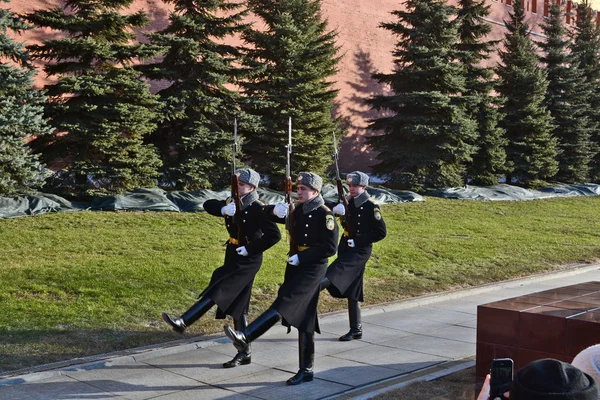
x=340 y=189
x=288 y=195
x=235 y=195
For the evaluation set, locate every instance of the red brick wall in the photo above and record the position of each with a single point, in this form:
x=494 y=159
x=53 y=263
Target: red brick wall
x=365 y=49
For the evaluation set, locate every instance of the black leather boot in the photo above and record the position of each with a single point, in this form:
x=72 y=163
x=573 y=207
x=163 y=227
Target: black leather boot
x=242 y=339
x=355 y=325
x=306 y=352
x=190 y=316
x=242 y=357
x=325 y=283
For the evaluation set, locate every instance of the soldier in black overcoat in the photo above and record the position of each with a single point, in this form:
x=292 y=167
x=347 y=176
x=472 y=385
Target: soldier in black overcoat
x=231 y=284
x=316 y=236
x=363 y=225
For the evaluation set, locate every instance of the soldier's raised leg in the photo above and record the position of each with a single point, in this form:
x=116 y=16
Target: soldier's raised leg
x=192 y=315
x=242 y=338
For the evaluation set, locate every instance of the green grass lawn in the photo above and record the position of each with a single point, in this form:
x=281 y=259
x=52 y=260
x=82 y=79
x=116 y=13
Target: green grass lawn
x=84 y=283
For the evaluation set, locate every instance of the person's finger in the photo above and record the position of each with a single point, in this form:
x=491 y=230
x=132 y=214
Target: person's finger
x=484 y=394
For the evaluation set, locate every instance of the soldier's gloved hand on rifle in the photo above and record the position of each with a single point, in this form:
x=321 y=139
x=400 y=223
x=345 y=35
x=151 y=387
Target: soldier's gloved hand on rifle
x=350 y=242
x=229 y=209
x=294 y=260
x=242 y=251
x=339 y=209
x=281 y=210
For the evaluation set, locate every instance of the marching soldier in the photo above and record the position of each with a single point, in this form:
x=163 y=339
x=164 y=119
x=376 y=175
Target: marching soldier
x=316 y=236
x=231 y=284
x=363 y=225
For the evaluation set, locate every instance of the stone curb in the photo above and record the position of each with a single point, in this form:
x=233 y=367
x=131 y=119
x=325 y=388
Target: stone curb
x=108 y=360
x=428 y=374
x=140 y=354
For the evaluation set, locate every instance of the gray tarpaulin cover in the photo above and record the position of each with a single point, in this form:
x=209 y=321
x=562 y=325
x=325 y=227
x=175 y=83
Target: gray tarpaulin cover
x=39 y=203
x=508 y=192
x=136 y=200
x=160 y=200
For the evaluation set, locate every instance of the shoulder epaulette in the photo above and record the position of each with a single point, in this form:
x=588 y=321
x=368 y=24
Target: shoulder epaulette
x=326 y=208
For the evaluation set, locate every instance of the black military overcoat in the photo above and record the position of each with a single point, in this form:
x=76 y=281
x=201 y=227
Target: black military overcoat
x=367 y=226
x=298 y=297
x=231 y=284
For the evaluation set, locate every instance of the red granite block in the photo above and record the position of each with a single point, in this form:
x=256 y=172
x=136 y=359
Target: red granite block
x=592 y=316
x=582 y=331
x=484 y=354
x=526 y=356
x=510 y=304
x=592 y=285
x=534 y=301
x=498 y=322
x=552 y=296
x=590 y=299
x=594 y=295
x=560 y=294
x=574 y=291
x=506 y=352
x=544 y=329
x=578 y=306
x=556 y=323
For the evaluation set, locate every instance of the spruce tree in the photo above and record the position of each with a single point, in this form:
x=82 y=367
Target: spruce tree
x=195 y=135
x=294 y=59
x=21 y=112
x=425 y=136
x=100 y=107
x=490 y=158
x=567 y=99
x=584 y=50
x=532 y=150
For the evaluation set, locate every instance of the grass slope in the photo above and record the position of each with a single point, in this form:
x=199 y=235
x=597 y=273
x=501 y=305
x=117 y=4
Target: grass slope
x=77 y=284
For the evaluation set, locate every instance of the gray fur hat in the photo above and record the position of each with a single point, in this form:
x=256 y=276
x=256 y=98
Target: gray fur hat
x=357 y=178
x=310 y=179
x=248 y=176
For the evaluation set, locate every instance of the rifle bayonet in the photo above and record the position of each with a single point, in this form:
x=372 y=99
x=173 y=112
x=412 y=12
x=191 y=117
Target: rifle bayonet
x=340 y=189
x=235 y=194
x=336 y=157
x=288 y=193
x=288 y=173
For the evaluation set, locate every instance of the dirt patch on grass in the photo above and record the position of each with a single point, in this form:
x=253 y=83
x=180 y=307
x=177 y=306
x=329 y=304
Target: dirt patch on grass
x=459 y=385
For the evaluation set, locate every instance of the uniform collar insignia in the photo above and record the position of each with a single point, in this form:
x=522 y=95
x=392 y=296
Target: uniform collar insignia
x=249 y=199
x=313 y=204
x=361 y=199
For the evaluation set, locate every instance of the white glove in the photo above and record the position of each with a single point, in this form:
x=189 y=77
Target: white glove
x=242 y=251
x=339 y=209
x=281 y=210
x=350 y=242
x=229 y=209
x=294 y=260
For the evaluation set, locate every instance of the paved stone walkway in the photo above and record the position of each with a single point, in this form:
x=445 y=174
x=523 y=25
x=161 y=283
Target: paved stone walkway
x=419 y=337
